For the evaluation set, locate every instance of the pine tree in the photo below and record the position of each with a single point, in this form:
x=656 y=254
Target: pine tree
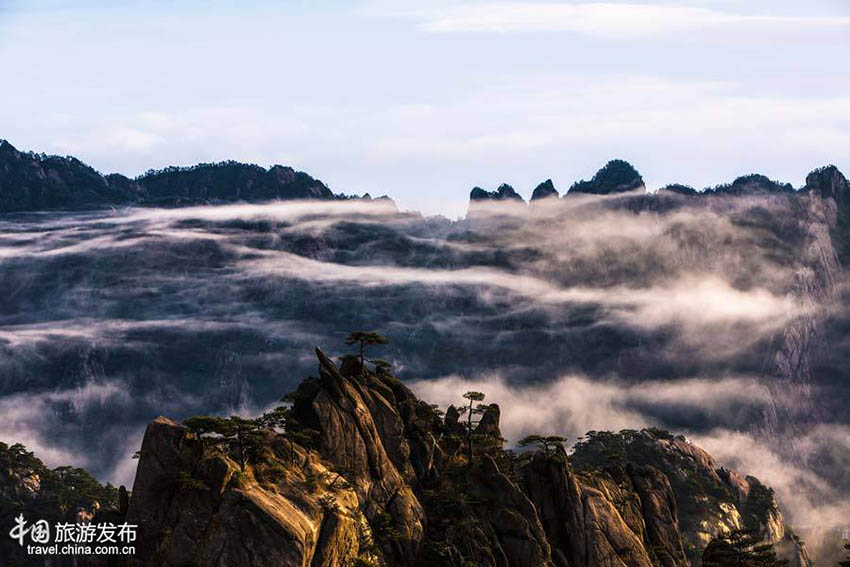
x=741 y=548
x=232 y=434
x=471 y=410
x=364 y=338
x=548 y=444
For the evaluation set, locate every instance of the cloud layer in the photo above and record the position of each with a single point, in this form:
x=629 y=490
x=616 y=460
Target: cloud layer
x=618 y=21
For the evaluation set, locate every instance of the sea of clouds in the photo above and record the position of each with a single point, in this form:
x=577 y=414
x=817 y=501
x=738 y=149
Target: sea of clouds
x=575 y=314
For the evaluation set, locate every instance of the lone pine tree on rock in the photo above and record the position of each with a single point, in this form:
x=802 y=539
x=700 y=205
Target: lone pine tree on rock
x=365 y=338
x=549 y=444
x=470 y=410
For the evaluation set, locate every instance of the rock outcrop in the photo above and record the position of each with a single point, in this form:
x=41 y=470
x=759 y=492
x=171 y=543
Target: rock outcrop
x=617 y=176
x=362 y=433
x=202 y=509
x=504 y=193
x=686 y=498
x=384 y=480
x=544 y=190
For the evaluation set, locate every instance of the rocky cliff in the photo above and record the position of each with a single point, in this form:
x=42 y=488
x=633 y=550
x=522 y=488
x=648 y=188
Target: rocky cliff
x=364 y=473
x=544 y=190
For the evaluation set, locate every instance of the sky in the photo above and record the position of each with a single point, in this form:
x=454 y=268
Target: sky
x=424 y=100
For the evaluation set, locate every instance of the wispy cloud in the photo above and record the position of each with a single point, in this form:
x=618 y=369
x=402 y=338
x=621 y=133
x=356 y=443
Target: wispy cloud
x=34 y=418
x=608 y=20
x=573 y=405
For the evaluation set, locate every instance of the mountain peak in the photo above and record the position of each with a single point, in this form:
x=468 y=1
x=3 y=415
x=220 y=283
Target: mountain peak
x=828 y=181
x=504 y=193
x=545 y=189
x=616 y=176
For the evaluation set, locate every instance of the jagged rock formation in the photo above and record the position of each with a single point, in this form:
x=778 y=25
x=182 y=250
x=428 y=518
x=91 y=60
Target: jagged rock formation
x=388 y=483
x=683 y=488
x=504 y=193
x=544 y=190
x=33 y=182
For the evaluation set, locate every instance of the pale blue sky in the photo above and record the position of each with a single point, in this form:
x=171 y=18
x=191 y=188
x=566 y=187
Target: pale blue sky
x=423 y=100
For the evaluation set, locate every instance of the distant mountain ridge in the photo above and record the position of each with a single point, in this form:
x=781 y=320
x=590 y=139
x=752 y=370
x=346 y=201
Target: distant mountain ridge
x=33 y=182
x=619 y=176
x=36 y=182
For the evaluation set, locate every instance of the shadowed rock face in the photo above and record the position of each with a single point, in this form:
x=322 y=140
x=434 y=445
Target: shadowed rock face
x=617 y=176
x=232 y=181
x=30 y=182
x=545 y=189
x=503 y=193
x=388 y=483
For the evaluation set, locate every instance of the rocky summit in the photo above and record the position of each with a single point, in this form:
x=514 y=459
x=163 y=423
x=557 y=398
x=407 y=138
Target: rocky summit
x=504 y=193
x=544 y=190
x=617 y=176
x=356 y=470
